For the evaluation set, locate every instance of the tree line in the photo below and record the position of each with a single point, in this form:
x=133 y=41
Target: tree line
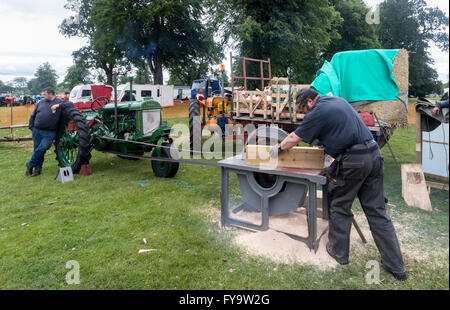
x=188 y=37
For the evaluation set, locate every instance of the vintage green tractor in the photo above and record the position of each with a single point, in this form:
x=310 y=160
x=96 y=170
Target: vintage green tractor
x=129 y=128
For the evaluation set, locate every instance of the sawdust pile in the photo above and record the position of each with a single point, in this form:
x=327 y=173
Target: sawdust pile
x=281 y=248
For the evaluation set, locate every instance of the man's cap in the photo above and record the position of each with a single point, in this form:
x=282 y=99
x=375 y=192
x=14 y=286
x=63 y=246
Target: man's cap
x=304 y=93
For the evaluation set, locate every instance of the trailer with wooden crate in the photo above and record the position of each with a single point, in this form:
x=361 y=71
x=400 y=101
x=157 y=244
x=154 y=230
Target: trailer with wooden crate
x=274 y=101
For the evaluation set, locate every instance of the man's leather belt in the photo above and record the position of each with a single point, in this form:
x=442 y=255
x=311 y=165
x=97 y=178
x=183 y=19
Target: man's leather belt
x=362 y=148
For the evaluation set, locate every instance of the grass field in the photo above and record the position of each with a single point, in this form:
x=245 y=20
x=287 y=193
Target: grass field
x=100 y=221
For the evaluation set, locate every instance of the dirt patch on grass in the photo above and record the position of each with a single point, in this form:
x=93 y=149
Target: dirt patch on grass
x=179 y=110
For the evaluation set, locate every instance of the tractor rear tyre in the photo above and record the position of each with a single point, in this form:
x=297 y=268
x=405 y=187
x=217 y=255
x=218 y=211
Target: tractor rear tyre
x=73 y=141
x=164 y=169
x=195 y=128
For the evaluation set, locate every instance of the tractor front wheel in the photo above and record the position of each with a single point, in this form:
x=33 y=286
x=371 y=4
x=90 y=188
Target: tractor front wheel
x=164 y=169
x=73 y=142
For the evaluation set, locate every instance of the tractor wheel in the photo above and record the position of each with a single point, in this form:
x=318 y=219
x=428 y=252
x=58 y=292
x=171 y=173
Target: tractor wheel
x=164 y=169
x=73 y=142
x=194 y=123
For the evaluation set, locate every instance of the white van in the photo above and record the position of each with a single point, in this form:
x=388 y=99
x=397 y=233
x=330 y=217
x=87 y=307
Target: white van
x=163 y=94
x=82 y=93
x=181 y=92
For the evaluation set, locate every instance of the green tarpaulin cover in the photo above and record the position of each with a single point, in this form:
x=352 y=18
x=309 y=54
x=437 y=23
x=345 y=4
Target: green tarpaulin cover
x=359 y=76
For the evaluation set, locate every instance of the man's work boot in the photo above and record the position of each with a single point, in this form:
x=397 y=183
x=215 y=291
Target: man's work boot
x=401 y=276
x=330 y=252
x=36 y=173
x=29 y=171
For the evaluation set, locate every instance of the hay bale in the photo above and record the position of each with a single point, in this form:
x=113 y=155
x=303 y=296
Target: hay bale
x=395 y=116
x=283 y=81
x=393 y=111
x=401 y=70
x=280 y=81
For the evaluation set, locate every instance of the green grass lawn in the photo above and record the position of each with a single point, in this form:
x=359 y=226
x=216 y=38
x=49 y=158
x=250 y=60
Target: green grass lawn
x=100 y=221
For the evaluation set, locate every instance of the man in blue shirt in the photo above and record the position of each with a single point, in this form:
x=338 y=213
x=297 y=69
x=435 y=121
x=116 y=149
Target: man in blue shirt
x=357 y=171
x=440 y=105
x=44 y=123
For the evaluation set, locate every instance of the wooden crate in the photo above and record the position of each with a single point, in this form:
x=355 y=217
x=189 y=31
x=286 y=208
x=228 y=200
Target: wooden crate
x=270 y=103
x=297 y=157
x=284 y=107
x=252 y=103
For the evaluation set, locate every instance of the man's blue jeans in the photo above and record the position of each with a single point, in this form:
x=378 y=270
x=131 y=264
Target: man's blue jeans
x=42 y=140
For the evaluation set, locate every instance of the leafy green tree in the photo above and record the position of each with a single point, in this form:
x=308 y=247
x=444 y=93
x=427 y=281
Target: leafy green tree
x=189 y=70
x=123 y=79
x=45 y=76
x=6 y=88
x=218 y=75
x=19 y=82
x=102 y=50
x=410 y=24
x=3 y=87
x=143 y=75
x=170 y=34
x=292 y=33
x=76 y=74
x=355 y=32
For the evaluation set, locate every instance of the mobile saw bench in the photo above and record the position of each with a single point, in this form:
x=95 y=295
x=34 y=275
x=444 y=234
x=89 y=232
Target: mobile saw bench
x=272 y=192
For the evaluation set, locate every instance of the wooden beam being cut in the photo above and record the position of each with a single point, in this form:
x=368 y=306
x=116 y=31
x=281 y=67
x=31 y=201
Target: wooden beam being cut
x=297 y=157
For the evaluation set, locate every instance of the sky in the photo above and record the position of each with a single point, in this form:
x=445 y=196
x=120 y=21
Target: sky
x=30 y=37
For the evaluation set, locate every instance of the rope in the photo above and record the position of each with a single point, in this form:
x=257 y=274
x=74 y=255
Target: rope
x=404 y=103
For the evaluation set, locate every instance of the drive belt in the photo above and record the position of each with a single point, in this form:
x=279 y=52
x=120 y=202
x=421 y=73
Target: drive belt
x=173 y=160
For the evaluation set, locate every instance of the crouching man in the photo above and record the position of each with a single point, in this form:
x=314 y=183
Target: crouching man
x=43 y=123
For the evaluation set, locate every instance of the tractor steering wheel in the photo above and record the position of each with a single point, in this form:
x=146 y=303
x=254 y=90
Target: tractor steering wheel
x=101 y=101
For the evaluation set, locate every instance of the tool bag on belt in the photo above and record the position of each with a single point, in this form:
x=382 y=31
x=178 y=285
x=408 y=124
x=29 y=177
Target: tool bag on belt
x=333 y=171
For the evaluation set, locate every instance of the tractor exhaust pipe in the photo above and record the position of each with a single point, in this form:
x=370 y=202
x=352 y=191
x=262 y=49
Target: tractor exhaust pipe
x=116 y=122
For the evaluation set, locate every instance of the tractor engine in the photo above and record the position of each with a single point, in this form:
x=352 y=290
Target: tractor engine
x=136 y=119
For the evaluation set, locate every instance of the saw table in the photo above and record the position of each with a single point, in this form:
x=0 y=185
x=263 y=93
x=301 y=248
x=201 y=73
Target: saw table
x=271 y=192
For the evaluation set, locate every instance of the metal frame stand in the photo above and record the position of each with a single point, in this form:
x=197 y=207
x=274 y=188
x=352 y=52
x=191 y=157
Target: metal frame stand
x=304 y=177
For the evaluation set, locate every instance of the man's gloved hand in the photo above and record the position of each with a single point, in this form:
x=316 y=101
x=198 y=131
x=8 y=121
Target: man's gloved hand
x=436 y=110
x=275 y=150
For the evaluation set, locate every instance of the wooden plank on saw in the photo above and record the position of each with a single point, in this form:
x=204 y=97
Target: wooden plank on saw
x=414 y=188
x=297 y=157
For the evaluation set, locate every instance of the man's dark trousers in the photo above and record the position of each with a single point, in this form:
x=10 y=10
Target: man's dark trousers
x=359 y=174
x=42 y=140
